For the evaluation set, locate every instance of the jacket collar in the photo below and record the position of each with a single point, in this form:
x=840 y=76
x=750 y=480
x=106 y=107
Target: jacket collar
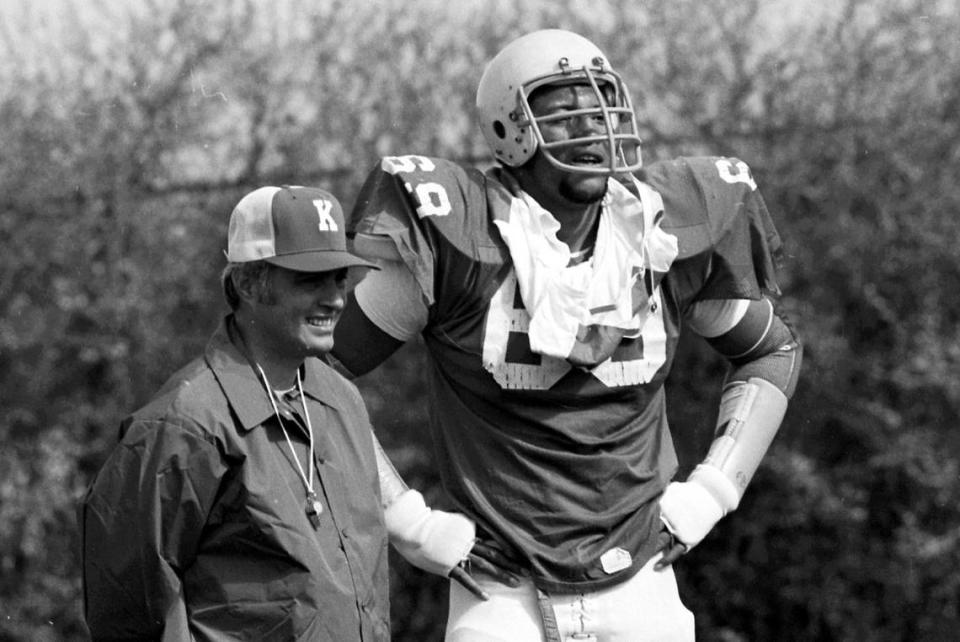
x=242 y=387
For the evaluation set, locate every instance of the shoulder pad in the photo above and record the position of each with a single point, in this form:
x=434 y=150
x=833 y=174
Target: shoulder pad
x=706 y=198
x=713 y=207
x=409 y=187
x=423 y=207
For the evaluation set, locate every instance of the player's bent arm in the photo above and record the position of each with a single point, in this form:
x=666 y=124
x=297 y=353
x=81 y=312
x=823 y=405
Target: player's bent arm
x=436 y=541
x=766 y=356
x=433 y=540
x=385 y=311
x=359 y=345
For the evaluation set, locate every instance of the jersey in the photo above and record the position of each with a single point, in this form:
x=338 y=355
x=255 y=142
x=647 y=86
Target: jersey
x=562 y=465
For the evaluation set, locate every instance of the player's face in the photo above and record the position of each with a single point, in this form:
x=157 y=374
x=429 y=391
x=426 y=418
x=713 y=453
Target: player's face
x=556 y=100
x=297 y=318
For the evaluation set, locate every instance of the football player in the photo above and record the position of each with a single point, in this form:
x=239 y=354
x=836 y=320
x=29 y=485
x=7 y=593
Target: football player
x=550 y=292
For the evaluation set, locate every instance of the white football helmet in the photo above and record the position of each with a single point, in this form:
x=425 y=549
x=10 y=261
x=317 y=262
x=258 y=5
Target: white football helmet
x=547 y=57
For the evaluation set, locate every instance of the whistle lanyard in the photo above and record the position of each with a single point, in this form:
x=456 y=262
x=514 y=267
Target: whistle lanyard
x=313 y=505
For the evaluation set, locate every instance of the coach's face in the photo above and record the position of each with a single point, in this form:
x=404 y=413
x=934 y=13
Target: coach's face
x=296 y=316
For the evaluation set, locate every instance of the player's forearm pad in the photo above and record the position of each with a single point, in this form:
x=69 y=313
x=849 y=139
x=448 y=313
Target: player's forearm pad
x=750 y=415
x=432 y=540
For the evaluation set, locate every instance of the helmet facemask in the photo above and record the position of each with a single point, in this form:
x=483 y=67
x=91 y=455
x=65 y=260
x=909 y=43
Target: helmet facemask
x=617 y=115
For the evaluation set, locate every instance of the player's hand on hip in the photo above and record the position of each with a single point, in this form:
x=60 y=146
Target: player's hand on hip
x=433 y=540
x=671 y=548
x=689 y=511
x=486 y=557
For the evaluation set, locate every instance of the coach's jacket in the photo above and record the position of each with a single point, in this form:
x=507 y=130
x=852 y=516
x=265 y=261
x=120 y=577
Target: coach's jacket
x=196 y=527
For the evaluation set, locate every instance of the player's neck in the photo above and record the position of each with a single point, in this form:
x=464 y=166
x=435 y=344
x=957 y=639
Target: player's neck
x=578 y=218
x=572 y=215
x=578 y=227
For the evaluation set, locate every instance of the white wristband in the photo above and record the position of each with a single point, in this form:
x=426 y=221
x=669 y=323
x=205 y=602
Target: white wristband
x=433 y=540
x=718 y=485
x=689 y=511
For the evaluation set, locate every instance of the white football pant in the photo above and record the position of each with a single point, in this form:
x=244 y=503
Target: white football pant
x=646 y=607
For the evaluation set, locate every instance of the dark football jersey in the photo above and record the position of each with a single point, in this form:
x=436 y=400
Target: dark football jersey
x=561 y=464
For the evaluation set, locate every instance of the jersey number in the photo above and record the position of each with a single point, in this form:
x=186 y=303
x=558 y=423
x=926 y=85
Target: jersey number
x=431 y=198
x=735 y=173
x=528 y=371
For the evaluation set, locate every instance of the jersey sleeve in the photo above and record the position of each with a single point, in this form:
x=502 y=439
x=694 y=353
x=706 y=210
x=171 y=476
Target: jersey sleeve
x=391 y=300
x=725 y=234
x=418 y=206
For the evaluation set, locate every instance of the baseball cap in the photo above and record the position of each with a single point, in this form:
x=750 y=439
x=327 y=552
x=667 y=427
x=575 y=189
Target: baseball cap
x=298 y=228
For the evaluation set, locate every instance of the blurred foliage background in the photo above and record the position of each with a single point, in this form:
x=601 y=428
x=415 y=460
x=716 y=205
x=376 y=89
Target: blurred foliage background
x=129 y=129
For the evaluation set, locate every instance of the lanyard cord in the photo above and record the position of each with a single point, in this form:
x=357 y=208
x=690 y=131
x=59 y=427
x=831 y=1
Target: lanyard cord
x=306 y=477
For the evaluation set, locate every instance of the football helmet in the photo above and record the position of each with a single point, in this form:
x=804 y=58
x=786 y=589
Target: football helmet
x=546 y=57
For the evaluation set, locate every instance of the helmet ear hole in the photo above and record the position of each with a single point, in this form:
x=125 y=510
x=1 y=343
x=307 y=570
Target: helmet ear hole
x=499 y=129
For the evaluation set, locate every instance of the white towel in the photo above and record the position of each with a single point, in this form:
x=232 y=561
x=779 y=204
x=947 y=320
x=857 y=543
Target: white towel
x=560 y=299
